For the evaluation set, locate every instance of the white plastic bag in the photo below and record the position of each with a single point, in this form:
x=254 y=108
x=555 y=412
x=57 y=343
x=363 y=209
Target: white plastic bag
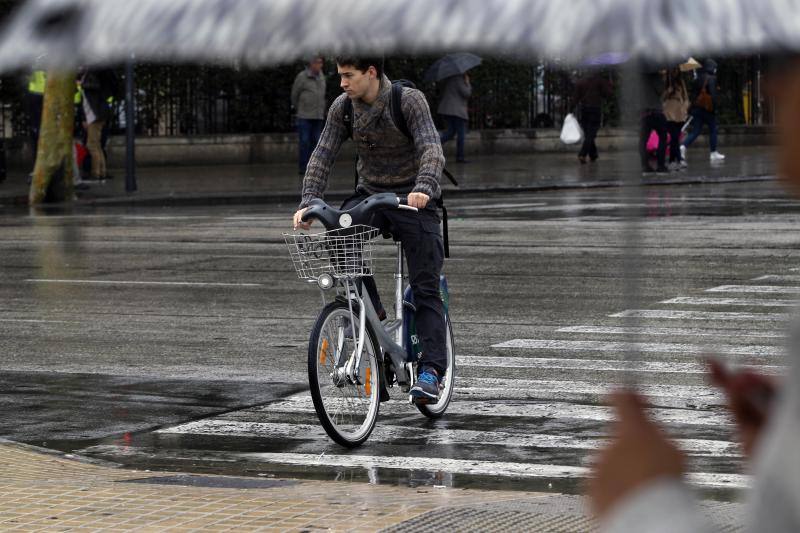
x=571 y=132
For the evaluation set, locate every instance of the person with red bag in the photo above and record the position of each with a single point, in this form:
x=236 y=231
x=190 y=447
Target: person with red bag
x=704 y=109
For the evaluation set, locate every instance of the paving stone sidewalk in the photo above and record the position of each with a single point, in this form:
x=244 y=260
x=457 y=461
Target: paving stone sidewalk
x=43 y=491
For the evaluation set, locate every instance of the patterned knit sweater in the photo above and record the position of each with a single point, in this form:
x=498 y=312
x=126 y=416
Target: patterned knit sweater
x=387 y=160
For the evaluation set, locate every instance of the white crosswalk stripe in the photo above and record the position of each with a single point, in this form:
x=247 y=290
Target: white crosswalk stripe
x=765 y=289
x=389 y=433
x=669 y=314
x=672 y=332
x=650 y=347
x=461 y=466
x=435 y=465
x=749 y=302
x=521 y=409
x=775 y=277
x=595 y=365
x=527 y=407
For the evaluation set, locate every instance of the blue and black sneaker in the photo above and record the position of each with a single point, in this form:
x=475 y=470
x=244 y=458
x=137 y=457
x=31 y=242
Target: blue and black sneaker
x=426 y=389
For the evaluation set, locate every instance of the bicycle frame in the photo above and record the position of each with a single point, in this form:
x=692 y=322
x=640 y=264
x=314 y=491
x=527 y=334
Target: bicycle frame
x=367 y=314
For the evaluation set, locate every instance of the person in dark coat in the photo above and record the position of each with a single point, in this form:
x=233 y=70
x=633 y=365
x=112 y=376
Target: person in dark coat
x=590 y=92
x=453 y=109
x=700 y=111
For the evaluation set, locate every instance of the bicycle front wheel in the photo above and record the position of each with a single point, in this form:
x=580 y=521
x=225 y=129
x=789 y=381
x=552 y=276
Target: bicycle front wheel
x=345 y=391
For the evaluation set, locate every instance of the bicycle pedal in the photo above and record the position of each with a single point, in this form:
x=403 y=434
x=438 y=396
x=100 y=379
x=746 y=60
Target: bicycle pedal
x=422 y=401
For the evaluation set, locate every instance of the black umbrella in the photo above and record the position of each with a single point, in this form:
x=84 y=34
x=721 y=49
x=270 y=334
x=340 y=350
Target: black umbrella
x=452 y=65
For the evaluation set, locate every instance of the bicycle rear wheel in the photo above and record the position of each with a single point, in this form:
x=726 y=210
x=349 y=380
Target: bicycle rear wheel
x=346 y=408
x=436 y=410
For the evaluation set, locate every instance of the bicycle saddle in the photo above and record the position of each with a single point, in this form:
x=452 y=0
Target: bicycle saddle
x=333 y=218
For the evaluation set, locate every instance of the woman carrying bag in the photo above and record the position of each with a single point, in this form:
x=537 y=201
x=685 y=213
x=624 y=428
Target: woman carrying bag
x=676 y=109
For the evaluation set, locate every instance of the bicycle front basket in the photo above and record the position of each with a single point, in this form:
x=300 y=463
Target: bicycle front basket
x=342 y=253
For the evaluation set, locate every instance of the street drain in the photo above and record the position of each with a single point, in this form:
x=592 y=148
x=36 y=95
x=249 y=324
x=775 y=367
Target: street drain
x=217 y=482
x=486 y=519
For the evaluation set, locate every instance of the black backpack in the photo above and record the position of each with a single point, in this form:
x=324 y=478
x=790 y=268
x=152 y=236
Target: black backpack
x=399 y=120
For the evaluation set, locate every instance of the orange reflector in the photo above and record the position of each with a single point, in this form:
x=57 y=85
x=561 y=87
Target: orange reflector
x=368 y=384
x=323 y=352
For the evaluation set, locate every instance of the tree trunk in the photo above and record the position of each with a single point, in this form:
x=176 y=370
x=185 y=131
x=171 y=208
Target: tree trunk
x=52 y=174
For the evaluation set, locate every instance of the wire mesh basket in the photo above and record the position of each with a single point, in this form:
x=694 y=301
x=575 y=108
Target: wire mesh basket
x=342 y=253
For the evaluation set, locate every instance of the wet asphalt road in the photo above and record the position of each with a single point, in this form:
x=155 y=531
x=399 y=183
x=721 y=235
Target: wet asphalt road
x=176 y=337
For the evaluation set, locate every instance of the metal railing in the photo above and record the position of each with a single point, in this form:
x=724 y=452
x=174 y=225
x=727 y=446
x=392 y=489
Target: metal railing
x=200 y=100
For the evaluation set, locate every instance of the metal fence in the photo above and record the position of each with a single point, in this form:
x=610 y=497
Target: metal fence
x=196 y=100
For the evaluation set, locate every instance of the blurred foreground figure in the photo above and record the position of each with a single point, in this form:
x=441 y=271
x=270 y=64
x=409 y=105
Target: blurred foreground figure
x=637 y=481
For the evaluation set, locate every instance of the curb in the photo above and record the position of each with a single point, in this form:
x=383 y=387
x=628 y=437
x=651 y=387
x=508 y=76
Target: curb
x=246 y=198
x=63 y=455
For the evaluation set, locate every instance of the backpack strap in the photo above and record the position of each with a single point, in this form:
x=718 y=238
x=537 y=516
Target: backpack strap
x=347 y=117
x=397 y=111
x=449 y=176
x=445 y=233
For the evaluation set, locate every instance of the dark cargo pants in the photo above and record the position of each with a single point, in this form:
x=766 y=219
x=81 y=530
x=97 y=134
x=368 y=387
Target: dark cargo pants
x=424 y=249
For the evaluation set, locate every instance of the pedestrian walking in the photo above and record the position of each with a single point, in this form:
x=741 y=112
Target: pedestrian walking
x=705 y=98
x=653 y=119
x=676 y=110
x=308 y=101
x=590 y=92
x=97 y=87
x=456 y=91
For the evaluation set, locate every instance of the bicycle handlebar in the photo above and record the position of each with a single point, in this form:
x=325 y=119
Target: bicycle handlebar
x=333 y=218
x=403 y=204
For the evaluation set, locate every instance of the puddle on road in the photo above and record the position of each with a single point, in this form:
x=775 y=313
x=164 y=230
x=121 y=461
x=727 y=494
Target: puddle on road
x=229 y=457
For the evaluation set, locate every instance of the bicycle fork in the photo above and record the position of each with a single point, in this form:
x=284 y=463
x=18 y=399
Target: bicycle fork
x=350 y=370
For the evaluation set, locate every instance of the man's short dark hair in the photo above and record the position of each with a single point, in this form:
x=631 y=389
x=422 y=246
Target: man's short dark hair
x=361 y=63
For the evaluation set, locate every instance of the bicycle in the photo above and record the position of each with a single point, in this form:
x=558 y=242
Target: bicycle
x=353 y=357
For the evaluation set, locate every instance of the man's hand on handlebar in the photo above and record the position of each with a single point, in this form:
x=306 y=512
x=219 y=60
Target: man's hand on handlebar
x=298 y=220
x=418 y=200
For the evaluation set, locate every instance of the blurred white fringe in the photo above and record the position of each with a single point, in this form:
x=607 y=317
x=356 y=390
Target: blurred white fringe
x=262 y=32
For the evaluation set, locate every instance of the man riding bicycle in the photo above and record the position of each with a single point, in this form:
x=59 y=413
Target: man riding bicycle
x=391 y=161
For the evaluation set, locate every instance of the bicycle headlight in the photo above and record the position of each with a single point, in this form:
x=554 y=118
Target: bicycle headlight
x=325 y=281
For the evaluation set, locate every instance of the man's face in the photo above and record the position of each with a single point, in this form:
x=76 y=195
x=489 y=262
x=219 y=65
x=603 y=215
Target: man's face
x=354 y=82
x=315 y=66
